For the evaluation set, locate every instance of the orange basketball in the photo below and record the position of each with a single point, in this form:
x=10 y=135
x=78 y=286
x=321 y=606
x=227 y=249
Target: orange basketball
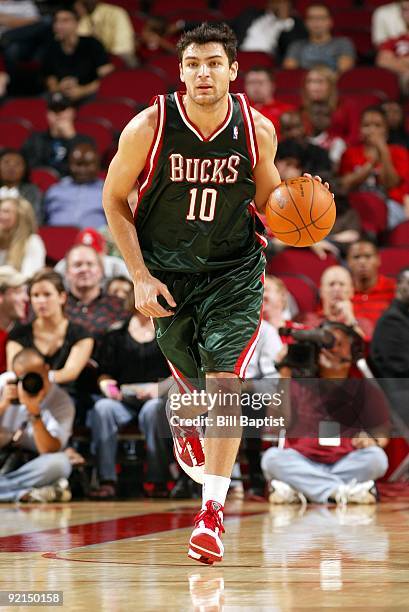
x=301 y=211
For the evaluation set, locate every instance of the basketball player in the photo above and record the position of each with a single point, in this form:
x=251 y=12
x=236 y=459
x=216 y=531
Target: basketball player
x=204 y=161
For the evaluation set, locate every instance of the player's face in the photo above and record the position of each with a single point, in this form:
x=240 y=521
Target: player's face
x=206 y=73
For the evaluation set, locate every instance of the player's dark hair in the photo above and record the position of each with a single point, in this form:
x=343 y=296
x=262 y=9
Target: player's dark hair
x=210 y=33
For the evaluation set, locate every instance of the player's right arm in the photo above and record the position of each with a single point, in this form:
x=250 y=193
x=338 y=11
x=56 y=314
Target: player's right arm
x=125 y=168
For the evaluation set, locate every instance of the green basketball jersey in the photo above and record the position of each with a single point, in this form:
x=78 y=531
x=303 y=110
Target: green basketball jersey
x=195 y=211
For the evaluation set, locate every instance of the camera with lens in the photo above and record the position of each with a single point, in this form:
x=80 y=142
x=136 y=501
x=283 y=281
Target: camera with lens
x=32 y=383
x=303 y=355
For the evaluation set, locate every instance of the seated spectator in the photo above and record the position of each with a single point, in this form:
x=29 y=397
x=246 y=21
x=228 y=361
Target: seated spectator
x=20 y=245
x=77 y=199
x=73 y=64
x=320 y=47
x=111 y=25
x=131 y=367
x=271 y=30
x=153 y=39
x=336 y=432
x=87 y=304
x=378 y=167
x=393 y=53
x=316 y=159
x=65 y=346
x=388 y=22
x=319 y=117
x=279 y=306
x=44 y=423
x=15 y=175
x=347 y=226
x=259 y=86
x=319 y=85
x=373 y=292
x=391 y=337
x=13 y=306
x=113 y=266
x=336 y=292
x=121 y=287
x=395 y=119
x=51 y=148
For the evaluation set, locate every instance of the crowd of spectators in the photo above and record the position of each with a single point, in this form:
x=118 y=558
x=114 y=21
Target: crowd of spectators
x=73 y=322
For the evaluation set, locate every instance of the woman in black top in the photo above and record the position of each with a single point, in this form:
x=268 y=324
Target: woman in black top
x=65 y=346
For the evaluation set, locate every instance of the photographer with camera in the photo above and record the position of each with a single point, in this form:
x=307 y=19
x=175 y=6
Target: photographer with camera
x=336 y=426
x=37 y=416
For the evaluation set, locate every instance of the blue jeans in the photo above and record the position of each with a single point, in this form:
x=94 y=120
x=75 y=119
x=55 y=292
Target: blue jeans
x=43 y=470
x=109 y=415
x=318 y=481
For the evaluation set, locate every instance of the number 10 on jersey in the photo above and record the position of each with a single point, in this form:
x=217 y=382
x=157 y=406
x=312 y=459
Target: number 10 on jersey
x=207 y=205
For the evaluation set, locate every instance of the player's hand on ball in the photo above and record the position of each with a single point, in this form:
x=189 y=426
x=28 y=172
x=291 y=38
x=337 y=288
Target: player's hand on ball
x=317 y=178
x=147 y=291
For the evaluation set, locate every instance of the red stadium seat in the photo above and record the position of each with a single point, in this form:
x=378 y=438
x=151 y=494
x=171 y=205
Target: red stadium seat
x=138 y=21
x=32 y=109
x=249 y=59
x=57 y=240
x=369 y=79
x=351 y=18
x=141 y=85
x=289 y=81
x=169 y=66
x=44 y=177
x=237 y=86
x=232 y=8
x=399 y=236
x=98 y=129
x=303 y=289
x=117 y=111
x=164 y=7
x=300 y=261
x=393 y=259
x=302 y=5
x=371 y=210
x=14 y=132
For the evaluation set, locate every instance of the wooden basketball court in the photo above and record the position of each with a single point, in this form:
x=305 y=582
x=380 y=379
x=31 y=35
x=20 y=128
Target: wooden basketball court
x=120 y=556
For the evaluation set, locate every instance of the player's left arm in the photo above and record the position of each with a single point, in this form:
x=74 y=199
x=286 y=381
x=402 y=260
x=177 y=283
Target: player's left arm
x=265 y=173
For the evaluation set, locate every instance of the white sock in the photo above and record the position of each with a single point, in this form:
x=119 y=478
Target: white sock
x=215 y=489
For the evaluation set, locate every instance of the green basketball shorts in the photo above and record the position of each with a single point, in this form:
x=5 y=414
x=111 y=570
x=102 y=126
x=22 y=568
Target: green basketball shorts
x=216 y=322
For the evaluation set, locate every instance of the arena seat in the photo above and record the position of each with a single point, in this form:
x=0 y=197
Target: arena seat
x=14 y=132
x=399 y=236
x=138 y=21
x=232 y=8
x=249 y=59
x=293 y=261
x=169 y=66
x=164 y=7
x=117 y=111
x=370 y=79
x=140 y=85
x=44 y=177
x=371 y=209
x=32 y=109
x=303 y=290
x=393 y=259
x=289 y=80
x=57 y=240
x=98 y=129
x=302 y=5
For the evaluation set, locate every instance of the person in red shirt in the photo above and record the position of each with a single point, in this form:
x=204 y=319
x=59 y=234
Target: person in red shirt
x=376 y=166
x=373 y=292
x=13 y=306
x=336 y=430
x=259 y=86
x=393 y=54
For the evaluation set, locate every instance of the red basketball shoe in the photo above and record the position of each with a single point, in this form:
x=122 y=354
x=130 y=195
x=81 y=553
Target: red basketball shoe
x=205 y=544
x=188 y=448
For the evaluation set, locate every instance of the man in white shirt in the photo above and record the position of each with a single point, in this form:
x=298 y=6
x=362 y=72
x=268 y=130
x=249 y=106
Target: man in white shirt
x=40 y=421
x=387 y=22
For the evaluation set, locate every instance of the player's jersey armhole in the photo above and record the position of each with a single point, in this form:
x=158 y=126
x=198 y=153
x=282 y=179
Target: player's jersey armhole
x=146 y=176
x=251 y=137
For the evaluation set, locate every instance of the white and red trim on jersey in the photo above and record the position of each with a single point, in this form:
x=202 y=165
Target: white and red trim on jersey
x=194 y=128
x=249 y=126
x=262 y=239
x=245 y=356
x=154 y=151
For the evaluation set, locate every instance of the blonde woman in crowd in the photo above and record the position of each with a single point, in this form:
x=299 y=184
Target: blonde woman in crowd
x=20 y=245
